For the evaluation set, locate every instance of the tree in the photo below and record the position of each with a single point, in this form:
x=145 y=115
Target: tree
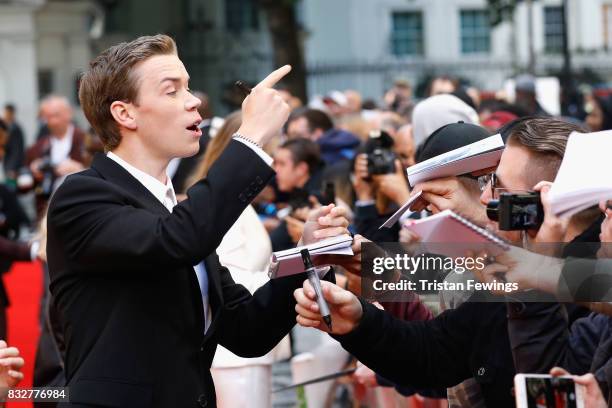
x=501 y=10
x=284 y=31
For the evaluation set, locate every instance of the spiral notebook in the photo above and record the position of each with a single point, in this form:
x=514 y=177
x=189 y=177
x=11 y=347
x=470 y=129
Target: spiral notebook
x=448 y=233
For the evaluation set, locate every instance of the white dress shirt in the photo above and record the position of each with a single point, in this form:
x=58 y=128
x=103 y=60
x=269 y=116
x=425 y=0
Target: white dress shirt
x=60 y=148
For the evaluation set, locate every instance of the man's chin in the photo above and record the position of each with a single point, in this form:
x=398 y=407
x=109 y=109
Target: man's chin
x=188 y=152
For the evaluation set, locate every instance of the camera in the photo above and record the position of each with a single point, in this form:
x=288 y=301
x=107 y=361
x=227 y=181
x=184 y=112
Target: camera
x=45 y=188
x=381 y=158
x=328 y=195
x=299 y=198
x=516 y=211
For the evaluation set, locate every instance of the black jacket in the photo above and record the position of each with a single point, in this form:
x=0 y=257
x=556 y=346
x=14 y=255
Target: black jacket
x=122 y=276
x=468 y=342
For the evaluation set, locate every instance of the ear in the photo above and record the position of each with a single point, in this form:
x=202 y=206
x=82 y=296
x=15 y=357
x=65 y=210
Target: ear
x=301 y=168
x=316 y=135
x=123 y=114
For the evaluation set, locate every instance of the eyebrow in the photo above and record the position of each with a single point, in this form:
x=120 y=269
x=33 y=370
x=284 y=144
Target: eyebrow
x=172 y=79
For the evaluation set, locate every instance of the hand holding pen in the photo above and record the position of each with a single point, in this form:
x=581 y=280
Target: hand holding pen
x=314 y=280
x=264 y=112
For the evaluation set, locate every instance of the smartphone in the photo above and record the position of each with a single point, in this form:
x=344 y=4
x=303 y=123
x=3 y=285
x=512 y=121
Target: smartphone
x=545 y=391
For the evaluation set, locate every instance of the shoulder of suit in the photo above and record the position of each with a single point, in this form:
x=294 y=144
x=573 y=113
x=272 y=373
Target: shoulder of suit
x=83 y=186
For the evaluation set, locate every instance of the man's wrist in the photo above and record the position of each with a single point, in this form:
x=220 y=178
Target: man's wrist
x=253 y=141
x=545 y=277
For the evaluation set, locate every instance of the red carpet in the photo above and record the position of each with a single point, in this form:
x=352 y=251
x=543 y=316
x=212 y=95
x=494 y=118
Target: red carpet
x=24 y=285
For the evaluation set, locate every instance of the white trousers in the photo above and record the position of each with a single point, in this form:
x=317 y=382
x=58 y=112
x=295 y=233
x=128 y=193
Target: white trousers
x=247 y=386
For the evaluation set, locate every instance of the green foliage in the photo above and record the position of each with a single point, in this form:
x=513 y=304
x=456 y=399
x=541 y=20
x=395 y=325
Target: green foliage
x=301 y=397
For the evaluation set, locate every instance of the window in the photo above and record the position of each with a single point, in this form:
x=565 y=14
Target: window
x=241 y=15
x=553 y=29
x=407 y=33
x=475 y=31
x=45 y=82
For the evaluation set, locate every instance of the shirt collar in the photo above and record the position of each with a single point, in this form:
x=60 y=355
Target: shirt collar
x=67 y=136
x=163 y=192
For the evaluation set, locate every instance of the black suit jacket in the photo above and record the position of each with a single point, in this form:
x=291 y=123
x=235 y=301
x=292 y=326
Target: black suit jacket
x=468 y=342
x=122 y=276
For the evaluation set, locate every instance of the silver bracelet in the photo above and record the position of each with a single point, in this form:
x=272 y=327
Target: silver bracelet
x=243 y=137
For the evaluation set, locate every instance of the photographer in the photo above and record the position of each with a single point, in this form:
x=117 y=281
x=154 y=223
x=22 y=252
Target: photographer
x=380 y=187
x=573 y=279
x=57 y=154
x=298 y=167
x=586 y=345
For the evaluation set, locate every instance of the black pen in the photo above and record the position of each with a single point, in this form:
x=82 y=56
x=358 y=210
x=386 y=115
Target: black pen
x=243 y=87
x=313 y=278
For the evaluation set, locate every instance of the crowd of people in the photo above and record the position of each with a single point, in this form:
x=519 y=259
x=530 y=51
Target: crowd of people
x=274 y=175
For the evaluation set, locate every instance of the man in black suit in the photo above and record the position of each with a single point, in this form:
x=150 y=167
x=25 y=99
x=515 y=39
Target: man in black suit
x=142 y=296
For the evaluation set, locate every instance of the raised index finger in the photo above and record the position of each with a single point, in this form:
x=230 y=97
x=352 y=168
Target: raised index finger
x=274 y=77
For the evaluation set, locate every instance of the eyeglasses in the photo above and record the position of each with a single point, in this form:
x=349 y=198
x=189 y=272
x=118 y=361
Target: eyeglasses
x=491 y=179
x=484 y=181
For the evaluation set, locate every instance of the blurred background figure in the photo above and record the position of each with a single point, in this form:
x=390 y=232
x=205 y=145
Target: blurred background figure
x=335 y=144
x=599 y=113
x=525 y=96
x=56 y=154
x=353 y=102
x=14 y=150
x=437 y=111
x=399 y=98
x=441 y=85
x=299 y=175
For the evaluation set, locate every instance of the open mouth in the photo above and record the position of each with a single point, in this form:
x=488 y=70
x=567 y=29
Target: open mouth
x=195 y=127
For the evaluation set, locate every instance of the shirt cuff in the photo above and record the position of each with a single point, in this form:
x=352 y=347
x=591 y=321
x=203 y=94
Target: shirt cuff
x=364 y=203
x=34 y=247
x=264 y=156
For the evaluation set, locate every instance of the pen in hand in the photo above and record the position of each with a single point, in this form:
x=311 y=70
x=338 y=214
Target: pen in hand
x=313 y=278
x=243 y=87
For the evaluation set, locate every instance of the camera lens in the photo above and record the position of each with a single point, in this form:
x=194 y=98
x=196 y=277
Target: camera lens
x=493 y=210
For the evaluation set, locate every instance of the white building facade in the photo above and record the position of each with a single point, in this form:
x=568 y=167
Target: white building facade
x=44 y=46
x=366 y=45
x=359 y=44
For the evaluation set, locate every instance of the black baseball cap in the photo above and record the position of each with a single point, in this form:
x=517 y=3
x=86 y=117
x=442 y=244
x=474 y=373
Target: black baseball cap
x=450 y=137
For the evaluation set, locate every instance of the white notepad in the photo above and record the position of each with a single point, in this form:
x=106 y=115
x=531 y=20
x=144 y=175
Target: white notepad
x=289 y=262
x=585 y=176
x=474 y=157
x=398 y=214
